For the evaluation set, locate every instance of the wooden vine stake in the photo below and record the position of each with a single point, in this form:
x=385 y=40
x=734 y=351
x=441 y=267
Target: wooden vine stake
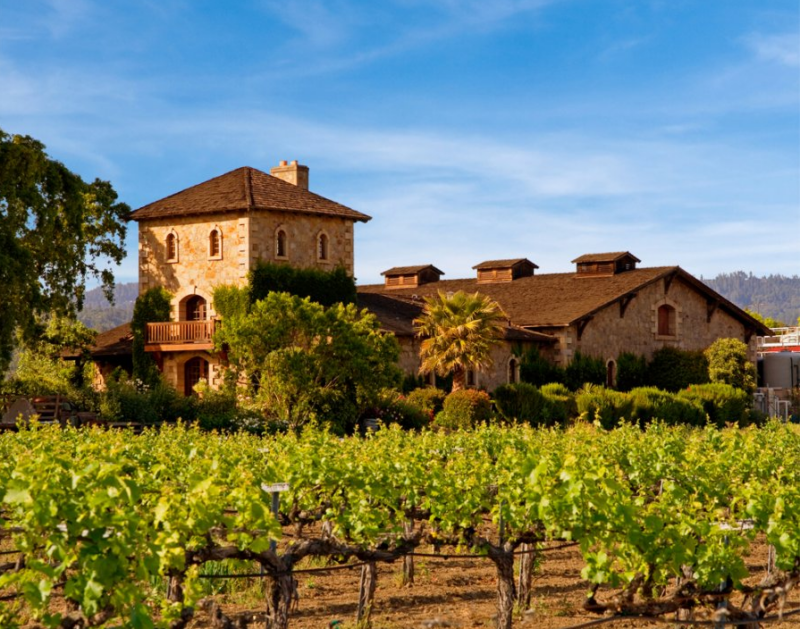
x=366 y=594
x=408 y=560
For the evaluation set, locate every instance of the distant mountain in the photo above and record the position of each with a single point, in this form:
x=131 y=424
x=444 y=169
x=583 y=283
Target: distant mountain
x=98 y=314
x=775 y=296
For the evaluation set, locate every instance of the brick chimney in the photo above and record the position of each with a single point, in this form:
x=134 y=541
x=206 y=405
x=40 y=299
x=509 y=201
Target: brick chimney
x=292 y=172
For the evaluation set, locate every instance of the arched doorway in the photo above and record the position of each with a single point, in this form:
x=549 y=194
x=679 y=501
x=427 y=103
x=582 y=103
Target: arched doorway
x=196 y=308
x=194 y=369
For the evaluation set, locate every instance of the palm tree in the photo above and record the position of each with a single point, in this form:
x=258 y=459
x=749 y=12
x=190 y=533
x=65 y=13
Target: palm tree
x=458 y=334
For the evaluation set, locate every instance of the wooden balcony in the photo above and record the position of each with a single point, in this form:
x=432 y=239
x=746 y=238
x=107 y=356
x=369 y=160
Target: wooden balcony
x=177 y=336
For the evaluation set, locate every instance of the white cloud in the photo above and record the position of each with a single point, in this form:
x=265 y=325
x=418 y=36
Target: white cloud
x=782 y=48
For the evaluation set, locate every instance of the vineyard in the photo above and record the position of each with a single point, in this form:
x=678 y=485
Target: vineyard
x=107 y=528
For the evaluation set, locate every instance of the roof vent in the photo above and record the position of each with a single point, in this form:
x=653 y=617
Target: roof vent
x=411 y=276
x=493 y=271
x=604 y=264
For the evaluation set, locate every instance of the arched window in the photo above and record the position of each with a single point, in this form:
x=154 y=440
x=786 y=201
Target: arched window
x=194 y=370
x=513 y=371
x=172 y=247
x=611 y=374
x=322 y=247
x=666 y=320
x=215 y=244
x=280 y=244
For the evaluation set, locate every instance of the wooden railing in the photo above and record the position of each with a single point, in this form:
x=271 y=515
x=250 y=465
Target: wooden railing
x=180 y=332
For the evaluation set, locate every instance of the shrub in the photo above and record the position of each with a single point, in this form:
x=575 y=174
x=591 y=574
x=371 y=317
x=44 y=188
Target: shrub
x=127 y=400
x=650 y=403
x=521 y=402
x=427 y=399
x=672 y=369
x=231 y=300
x=393 y=409
x=722 y=403
x=584 y=370
x=607 y=406
x=560 y=406
x=464 y=408
x=535 y=369
x=631 y=371
x=728 y=364
x=323 y=287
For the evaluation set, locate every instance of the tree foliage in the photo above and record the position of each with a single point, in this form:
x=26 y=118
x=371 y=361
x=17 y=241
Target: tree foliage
x=324 y=287
x=458 y=334
x=56 y=232
x=300 y=361
x=773 y=296
x=41 y=369
x=728 y=364
x=152 y=306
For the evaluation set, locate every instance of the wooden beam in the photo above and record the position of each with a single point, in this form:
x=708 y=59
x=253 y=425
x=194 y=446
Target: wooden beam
x=623 y=304
x=582 y=325
x=668 y=282
x=178 y=347
x=748 y=334
x=711 y=308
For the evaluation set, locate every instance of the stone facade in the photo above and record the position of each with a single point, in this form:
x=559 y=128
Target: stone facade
x=303 y=233
x=190 y=267
x=489 y=379
x=608 y=333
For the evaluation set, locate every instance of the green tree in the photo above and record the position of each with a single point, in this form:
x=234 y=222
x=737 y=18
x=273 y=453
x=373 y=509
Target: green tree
x=770 y=322
x=300 y=361
x=56 y=231
x=728 y=364
x=41 y=368
x=151 y=306
x=458 y=334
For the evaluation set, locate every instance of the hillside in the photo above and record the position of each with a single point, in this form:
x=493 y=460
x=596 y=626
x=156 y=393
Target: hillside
x=97 y=313
x=774 y=296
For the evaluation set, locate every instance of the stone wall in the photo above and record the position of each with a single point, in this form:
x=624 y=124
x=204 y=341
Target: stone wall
x=245 y=240
x=302 y=234
x=607 y=334
x=193 y=270
x=488 y=379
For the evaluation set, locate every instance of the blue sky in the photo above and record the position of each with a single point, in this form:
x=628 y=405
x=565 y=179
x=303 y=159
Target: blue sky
x=469 y=130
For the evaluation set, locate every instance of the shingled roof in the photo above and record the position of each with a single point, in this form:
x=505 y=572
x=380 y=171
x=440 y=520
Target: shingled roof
x=503 y=264
x=244 y=190
x=560 y=299
x=114 y=342
x=407 y=270
x=604 y=257
x=396 y=314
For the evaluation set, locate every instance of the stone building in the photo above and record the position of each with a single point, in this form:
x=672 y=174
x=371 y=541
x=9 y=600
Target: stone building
x=214 y=233
x=605 y=307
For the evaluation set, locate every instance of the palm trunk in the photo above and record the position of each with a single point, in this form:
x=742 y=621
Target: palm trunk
x=459 y=379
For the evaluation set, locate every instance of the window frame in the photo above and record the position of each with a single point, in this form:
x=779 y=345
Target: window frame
x=281 y=249
x=211 y=254
x=175 y=257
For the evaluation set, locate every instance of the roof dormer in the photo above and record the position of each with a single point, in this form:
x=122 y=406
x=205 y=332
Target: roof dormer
x=603 y=264
x=410 y=276
x=493 y=271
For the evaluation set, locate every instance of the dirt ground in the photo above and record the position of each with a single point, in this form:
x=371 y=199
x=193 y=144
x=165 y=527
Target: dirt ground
x=458 y=593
